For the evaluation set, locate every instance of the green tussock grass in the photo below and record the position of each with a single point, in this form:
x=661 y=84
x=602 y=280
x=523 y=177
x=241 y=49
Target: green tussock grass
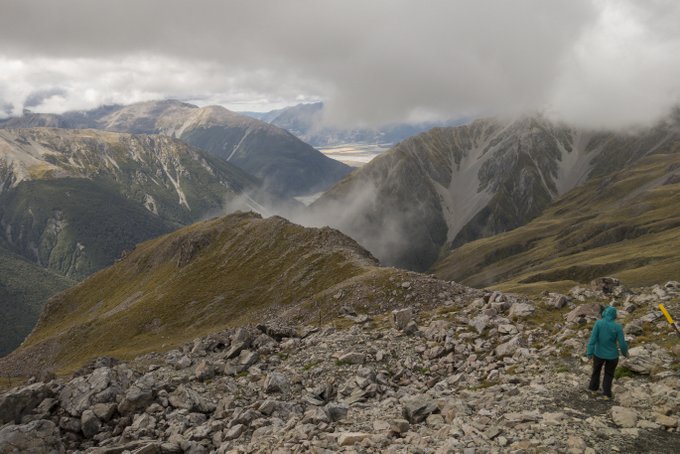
x=160 y=295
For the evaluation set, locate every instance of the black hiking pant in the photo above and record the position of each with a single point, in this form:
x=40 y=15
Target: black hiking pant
x=609 y=368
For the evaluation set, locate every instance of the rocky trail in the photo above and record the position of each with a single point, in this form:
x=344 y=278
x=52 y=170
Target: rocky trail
x=478 y=371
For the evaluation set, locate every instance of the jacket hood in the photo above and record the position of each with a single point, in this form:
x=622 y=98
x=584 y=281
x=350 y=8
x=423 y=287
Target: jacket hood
x=609 y=313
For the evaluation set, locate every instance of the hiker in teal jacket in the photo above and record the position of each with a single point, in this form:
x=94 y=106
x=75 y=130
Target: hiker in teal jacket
x=603 y=349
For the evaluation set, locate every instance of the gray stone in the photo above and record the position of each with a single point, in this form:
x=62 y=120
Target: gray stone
x=584 y=312
x=411 y=328
x=104 y=411
x=82 y=393
x=204 y=371
x=69 y=424
x=183 y=363
x=557 y=301
x=418 y=408
x=234 y=432
x=606 y=285
x=247 y=358
x=399 y=426
x=187 y=398
x=521 y=310
x=352 y=358
x=624 y=417
x=635 y=328
x=480 y=323
x=667 y=421
x=276 y=383
x=576 y=442
x=236 y=349
x=139 y=395
x=646 y=358
x=89 y=424
x=509 y=348
x=16 y=403
x=402 y=317
x=336 y=412
x=41 y=436
x=350 y=438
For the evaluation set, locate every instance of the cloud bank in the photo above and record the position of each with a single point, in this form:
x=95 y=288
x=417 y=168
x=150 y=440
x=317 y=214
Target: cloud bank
x=603 y=63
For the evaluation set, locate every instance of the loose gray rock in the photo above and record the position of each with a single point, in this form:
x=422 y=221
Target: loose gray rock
x=16 y=403
x=336 y=412
x=624 y=417
x=188 y=399
x=521 y=310
x=89 y=424
x=41 y=436
x=402 y=317
x=276 y=383
x=418 y=408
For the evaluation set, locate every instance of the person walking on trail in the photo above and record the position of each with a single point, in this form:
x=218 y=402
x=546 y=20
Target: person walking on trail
x=603 y=350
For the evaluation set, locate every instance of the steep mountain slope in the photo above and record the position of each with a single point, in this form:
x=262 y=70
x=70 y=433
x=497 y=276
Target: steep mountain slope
x=73 y=200
x=306 y=122
x=625 y=224
x=230 y=270
x=24 y=289
x=449 y=186
x=287 y=165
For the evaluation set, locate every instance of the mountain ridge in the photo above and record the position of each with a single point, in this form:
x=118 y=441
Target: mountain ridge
x=449 y=186
x=287 y=165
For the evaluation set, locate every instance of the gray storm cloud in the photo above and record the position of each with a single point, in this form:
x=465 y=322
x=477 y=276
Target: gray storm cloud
x=591 y=62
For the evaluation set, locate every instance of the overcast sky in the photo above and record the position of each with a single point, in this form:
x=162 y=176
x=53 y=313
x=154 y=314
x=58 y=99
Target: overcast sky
x=602 y=63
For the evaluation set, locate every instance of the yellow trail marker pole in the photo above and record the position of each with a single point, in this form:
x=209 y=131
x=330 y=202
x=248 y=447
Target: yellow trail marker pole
x=669 y=318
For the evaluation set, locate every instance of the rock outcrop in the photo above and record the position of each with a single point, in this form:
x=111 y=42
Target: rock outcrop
x=451 y=385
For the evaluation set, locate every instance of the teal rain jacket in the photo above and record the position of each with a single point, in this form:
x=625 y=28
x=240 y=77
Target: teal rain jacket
x=606 y=333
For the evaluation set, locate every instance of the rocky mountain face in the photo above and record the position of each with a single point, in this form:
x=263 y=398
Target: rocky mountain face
x=306 y=122
x=72 y=201
x=624 y=224
x=451 y=369
x=285 y=164
x=449 y=186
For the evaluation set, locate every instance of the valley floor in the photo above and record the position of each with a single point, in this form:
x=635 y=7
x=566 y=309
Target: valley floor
x=354 y=154
x=469 y=371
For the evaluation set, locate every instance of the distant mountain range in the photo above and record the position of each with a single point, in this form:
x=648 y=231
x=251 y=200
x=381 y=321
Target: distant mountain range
x=449 y=186
x=286 y=165
x=71 y=201
x=306 y=121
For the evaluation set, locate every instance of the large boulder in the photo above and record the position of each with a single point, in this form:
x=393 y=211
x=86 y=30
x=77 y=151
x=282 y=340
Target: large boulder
x=584 y=312
x=37 y=437
x=521 y=310
x=624 y=417
x=645 y=359
x=139 y=395
x=16 y=403
x=418 y=408
x=606 y=285
x=402 y=317
x=276 y=383
x=510 y=347
x=187 y=398
x=81 y=393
